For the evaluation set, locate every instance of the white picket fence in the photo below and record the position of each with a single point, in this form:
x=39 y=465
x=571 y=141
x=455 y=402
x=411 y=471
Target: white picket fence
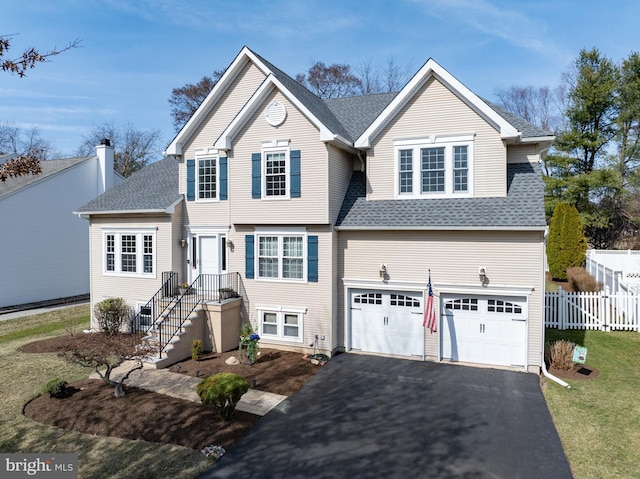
x=602 y=311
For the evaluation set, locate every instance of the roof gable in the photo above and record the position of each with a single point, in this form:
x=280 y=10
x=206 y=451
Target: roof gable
x=432 y=69
x=270 y=84
x=225 y=81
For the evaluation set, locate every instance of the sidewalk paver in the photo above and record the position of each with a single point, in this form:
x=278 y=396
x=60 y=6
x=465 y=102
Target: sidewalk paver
x=183 y=386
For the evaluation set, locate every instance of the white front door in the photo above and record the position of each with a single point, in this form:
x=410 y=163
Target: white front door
x=208 y=257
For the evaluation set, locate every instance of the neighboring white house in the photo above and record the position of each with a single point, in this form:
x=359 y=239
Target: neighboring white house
x=329 y=215
x=44 y=247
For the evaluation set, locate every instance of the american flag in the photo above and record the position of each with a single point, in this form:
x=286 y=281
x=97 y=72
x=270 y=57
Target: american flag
x=430 y=312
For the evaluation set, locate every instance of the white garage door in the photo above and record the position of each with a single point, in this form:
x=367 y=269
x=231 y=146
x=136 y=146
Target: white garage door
x=388 y=322
x=484 y=329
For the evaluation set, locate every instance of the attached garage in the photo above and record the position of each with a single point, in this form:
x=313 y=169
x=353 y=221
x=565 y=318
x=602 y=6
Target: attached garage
x=387 y=322
x=484 y=329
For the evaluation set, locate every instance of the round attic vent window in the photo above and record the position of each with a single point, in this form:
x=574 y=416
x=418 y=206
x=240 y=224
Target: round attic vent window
x=276 y=113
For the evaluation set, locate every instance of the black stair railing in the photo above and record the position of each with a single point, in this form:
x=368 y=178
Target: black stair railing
x=206 y=287
x=147 y=315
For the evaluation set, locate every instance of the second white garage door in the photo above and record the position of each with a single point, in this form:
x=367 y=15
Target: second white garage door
x=387 y=322
x=484 y=329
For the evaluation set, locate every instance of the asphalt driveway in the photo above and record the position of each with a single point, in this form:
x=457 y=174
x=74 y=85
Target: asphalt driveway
x=373 y=417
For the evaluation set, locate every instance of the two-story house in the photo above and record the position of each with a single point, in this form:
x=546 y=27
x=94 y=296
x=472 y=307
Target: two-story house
x=333 y=214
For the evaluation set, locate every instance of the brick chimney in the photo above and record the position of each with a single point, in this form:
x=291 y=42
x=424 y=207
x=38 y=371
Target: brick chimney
x=105 y=153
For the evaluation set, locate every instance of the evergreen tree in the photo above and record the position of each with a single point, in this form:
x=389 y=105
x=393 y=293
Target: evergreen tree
x=566 y=243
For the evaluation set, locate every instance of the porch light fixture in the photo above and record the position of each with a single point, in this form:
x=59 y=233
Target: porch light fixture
x=383 y=270
x=482 y=273
x=183 y=242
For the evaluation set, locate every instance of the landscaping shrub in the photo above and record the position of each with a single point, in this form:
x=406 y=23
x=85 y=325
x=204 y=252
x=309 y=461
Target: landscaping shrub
x=581 y=280
x=559 y=354
x=196 y=350
x=566 y=243
x=56 y=388
x=223 y=391
x=112 y=314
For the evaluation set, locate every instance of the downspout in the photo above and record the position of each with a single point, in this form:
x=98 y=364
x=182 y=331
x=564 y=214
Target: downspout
x=361 y=160
x=546 y=373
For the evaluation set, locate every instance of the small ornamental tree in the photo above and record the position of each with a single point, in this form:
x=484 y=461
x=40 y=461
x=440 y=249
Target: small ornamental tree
x=566 y=244
x=223 y=391
x=106 y=355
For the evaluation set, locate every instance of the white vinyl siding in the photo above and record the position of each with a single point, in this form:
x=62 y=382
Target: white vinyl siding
x=511 y=259
x=435 y=110
x=313 y=204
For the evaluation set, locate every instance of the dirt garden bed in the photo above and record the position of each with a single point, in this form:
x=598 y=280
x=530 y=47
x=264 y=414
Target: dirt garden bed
x=143 y=415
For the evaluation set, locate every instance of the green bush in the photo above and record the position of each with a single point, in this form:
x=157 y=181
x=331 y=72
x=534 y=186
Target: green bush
x=196 y=350
x=56 y=388
x=566 y=244
x=112 y=314
x=223 y=391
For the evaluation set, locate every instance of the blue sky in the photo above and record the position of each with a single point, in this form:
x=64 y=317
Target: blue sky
x=134 y=52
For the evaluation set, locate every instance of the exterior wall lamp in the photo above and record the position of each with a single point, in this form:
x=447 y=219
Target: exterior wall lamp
x=482 y=273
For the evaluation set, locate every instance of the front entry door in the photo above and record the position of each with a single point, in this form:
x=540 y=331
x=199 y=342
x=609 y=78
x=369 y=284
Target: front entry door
x=208 y=259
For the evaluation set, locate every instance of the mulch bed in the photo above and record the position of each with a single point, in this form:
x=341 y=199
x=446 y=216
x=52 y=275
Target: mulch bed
x=139 y=415
x=580 y=371
x=92 y=408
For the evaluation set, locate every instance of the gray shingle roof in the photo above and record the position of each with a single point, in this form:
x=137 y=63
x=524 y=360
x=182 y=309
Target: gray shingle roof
x=153 y=188
x=49 y=168
x=356 y=113
x=523 y=207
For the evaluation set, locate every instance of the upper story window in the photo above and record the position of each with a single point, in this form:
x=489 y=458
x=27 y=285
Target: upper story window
x=207 y=176
x=275 y=171
x=436 y=166
x=129 y=253
x=207 y=179
x=275 y=174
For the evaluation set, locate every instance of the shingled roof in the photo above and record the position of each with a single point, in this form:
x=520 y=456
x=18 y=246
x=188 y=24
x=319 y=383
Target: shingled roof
x=523 y=207
x=154 y=188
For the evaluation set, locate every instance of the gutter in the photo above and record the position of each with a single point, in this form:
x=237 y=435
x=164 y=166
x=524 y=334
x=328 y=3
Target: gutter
x=546 y=373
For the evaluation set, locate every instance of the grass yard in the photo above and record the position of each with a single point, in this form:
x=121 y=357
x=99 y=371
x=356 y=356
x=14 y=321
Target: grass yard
x=23 y=375
x=599 y=420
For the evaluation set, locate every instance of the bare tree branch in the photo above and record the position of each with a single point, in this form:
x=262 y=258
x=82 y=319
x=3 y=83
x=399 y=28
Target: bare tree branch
x=30 y=57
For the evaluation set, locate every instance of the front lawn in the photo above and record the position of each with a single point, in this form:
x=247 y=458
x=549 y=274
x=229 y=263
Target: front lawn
x=22 y=375
x=598 y=420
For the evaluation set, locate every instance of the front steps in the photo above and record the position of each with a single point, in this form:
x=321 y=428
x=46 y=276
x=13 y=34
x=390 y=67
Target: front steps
x=179 y=346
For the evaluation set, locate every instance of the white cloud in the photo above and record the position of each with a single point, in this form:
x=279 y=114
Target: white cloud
x=507 y=23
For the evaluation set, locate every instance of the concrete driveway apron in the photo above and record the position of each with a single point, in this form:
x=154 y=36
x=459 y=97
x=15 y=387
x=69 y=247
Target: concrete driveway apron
x=374 y=417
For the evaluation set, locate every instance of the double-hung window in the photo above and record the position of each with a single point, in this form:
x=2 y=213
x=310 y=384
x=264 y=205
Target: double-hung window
x=281 y=323
x=129 y=253
x=435 y=166
x=207 y=176
x=275 y=175
x=281 y=256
